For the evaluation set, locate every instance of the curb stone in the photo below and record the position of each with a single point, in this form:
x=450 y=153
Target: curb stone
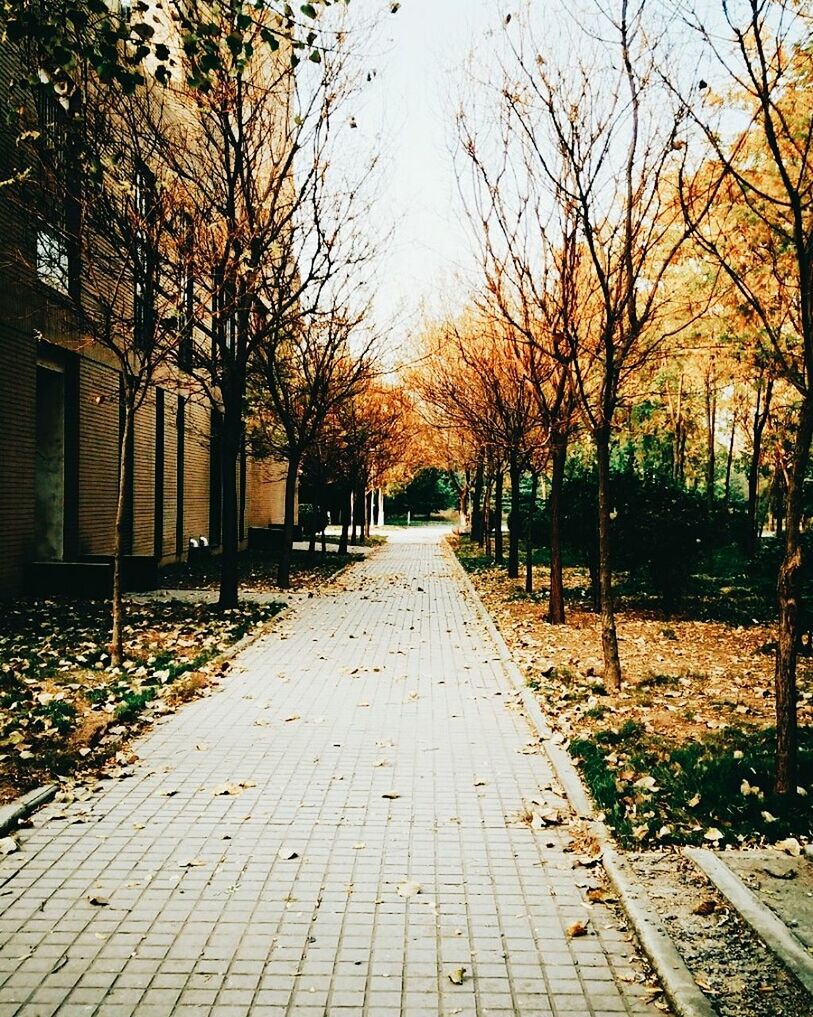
x=770 y=929
x=683 y=993
x=20 y=808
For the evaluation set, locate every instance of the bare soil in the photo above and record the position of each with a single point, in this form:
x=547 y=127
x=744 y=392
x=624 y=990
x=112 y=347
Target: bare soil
x=738 y=973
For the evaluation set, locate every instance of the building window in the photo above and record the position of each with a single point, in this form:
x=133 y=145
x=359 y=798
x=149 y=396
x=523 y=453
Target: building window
x=53 y=260
x=224 y=318
x=58 y=249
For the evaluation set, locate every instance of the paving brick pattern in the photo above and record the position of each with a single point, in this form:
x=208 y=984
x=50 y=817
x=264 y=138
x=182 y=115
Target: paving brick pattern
x=376 y=738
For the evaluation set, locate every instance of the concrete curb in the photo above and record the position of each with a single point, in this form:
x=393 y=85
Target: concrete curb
x=683 y=993
x=770 y=929
x=566 y=772
x=20 y=808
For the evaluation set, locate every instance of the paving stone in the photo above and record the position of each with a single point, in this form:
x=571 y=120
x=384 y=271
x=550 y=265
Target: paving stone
x=387 y=685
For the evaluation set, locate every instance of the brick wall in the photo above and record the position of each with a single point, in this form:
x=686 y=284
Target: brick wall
x=265 y=492
x=196 y=472
x=98 y=456
x=144 y=478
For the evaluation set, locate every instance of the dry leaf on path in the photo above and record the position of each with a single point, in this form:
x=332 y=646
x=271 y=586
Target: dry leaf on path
x=457 y=976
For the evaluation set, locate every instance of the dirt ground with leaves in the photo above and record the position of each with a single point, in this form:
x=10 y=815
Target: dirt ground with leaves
x=681 y=751
x=64 y=708
x=258 y=571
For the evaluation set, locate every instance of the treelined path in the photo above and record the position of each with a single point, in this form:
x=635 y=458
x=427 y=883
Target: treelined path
x=334 y=831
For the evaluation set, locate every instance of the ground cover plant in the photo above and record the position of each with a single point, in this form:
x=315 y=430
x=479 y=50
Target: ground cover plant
x=64 y=707
x=683 y=753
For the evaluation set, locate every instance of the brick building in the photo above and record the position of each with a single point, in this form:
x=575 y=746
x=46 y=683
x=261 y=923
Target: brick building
x=60 y=422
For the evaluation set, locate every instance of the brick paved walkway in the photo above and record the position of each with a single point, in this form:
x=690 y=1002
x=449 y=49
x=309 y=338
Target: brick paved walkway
x=375 y=737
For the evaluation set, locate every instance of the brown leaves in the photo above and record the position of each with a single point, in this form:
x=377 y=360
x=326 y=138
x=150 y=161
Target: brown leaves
x=705 y=907
x=232 y=789
x=576 y=930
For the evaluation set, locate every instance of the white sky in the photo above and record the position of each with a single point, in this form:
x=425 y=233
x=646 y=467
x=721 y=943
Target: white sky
x=412 y=102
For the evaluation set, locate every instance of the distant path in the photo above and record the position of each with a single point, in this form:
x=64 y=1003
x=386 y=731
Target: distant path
x=281 y=898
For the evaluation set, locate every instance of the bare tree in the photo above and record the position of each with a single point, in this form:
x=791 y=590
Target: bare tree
x=250 y=153
x=303 y=376
x=609 y=151
x=531 y=262
x=748 y=202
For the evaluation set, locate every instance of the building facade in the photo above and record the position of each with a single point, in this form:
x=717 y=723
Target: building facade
x=61 y=419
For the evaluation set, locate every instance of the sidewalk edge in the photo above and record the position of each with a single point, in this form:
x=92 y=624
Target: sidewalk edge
x=683 y=993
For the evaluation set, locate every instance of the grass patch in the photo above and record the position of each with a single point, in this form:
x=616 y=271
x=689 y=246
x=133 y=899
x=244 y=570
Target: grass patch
x=655 y=790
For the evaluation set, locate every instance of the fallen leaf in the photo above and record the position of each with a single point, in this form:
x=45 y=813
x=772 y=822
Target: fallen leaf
x=8 y=845
x=287 y=854
x=391 y=795
x=576 y=929
x=456 y=977
x=99 y=902
x=705 y=907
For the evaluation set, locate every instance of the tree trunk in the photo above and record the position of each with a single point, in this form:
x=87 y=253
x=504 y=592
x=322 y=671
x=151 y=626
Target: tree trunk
x=529 y=543
x=730 y=461
x=464 y=501
x=286 y=551
x=477 y=503
x=789 y=590
x=556 y=601
x=359 y=524
x=346 y=512
x=498 y=485
x=609 y=636
x=515 y=474
x=487 y=516
x=763 y=408
x=711 y=427
x=369 y=514
x=230 y=453
x=117 y=636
